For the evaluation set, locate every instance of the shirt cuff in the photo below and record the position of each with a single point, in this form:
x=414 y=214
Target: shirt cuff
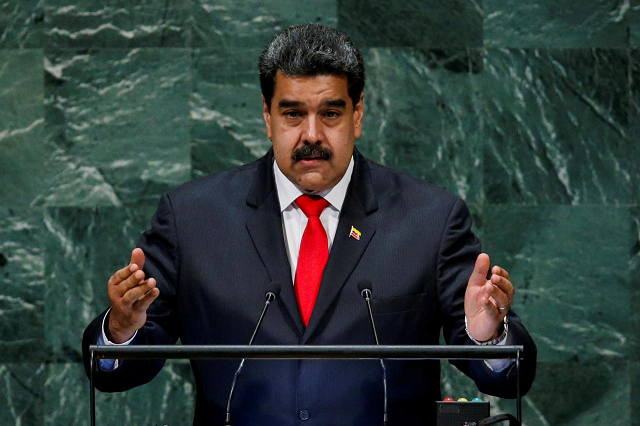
x=110 y=364
x=499 y=365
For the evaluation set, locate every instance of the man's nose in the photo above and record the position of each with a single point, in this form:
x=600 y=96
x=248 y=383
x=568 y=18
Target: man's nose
x=313 y=133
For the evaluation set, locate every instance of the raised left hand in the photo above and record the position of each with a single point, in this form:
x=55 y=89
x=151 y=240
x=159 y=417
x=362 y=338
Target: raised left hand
x=486 y=302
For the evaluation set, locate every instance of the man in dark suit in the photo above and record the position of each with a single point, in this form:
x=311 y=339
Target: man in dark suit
x=216 y=245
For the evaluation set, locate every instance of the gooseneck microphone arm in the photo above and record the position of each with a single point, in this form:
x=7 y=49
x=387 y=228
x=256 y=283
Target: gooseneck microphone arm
x=365 y=292
x=270 y=296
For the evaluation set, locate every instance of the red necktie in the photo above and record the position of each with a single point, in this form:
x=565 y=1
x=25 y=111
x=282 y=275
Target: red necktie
x=314 y=252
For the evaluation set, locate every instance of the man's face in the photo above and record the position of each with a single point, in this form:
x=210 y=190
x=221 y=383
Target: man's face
x=313 y=125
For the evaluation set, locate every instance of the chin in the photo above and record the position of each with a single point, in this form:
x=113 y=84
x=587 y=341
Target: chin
x=313 y=188
x=313 y=182
x=313 y=185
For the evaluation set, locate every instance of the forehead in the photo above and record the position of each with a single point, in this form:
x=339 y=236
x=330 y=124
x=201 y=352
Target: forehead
x=310 y=88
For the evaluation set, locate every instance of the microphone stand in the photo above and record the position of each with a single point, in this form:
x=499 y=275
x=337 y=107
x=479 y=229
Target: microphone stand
x=366 y=294
x=270 y=297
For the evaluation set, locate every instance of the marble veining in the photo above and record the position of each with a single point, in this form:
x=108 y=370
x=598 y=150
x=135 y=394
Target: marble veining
x=527 y=110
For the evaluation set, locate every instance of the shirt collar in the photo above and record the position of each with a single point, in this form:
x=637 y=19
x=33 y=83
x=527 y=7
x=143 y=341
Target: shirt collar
x=288 y=191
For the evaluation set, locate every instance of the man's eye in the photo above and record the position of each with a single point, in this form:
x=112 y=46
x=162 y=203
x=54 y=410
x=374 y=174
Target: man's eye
x=292 y=114
x=332 y=114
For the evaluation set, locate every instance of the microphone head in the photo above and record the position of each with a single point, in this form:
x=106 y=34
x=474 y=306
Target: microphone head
x=364 y=287
x=273 y=291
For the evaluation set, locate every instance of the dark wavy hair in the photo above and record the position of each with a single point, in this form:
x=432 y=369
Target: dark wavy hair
x=308 y=50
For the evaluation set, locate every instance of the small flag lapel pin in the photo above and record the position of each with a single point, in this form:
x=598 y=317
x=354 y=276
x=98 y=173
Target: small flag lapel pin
x=355 y=233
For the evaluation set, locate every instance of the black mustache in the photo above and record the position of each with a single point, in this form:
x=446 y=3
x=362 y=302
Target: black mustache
x=311 y=151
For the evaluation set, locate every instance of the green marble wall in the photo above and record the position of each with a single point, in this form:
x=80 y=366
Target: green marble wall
x=527 y=109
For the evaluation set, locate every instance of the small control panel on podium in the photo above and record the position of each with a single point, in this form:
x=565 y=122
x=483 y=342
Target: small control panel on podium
x=461 y=412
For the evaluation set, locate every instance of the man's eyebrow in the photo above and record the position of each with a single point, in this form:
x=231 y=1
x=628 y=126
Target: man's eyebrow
x=335 y=103
x=286 y=103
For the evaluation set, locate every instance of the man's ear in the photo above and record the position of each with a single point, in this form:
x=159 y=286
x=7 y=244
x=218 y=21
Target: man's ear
x=357 y=116
x=266 y=114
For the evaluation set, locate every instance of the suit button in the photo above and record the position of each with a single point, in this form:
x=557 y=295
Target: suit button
x=304 y=415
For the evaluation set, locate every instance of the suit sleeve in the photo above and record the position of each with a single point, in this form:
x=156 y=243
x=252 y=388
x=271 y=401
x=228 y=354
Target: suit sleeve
x=459 y=248
x=160 y=247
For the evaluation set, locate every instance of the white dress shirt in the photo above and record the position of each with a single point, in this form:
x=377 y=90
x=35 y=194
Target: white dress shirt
x=294 y=220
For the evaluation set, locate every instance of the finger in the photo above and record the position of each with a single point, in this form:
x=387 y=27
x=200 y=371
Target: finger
x=503 y=284
x=122 y=274
x=501 y=298
x=137 y=257
x=479 y=274
x=149 y=284
x=137 y=292
x=145 y=301
x=500 y=271
x=489 y=306
x=133 y=280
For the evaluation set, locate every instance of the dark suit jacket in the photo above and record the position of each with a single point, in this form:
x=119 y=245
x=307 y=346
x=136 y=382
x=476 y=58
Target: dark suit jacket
x=215 y=245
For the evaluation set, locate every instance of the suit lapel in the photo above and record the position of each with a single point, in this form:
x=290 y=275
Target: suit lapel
x=265 y=228
x=346 y=251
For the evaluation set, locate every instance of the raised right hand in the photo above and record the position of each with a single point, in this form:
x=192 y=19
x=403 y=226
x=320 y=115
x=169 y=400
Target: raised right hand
x=130 y=296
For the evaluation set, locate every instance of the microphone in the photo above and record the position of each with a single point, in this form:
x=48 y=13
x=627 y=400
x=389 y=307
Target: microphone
x=270 y=296
x=365 y=291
